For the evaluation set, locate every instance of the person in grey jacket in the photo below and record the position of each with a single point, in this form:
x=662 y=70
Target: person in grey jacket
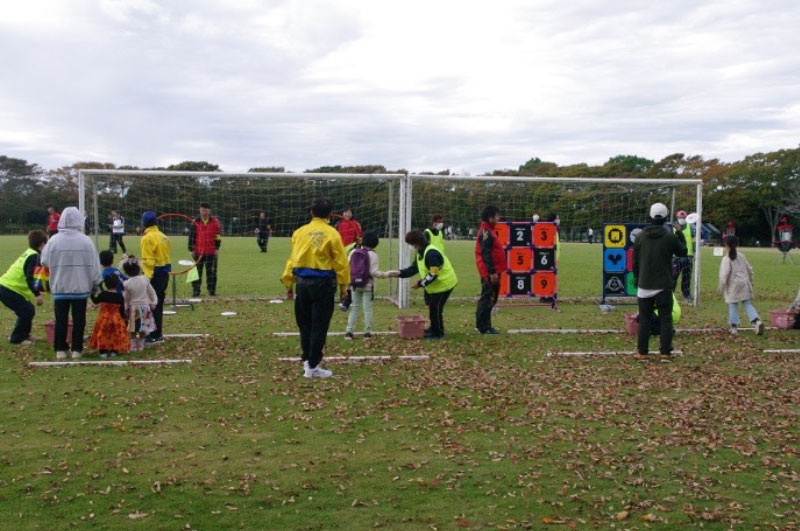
x=653 y=252
x=74 y=272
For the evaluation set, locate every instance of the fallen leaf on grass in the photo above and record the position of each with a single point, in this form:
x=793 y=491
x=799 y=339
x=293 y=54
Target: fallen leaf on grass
x=622 y=515
x=137 y=515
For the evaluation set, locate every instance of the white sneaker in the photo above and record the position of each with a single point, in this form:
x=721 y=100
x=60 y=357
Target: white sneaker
x=306 y=369
x=316 y=372
x=734 y=331
x=61 y=355
x=76 y=355
x=759 y=327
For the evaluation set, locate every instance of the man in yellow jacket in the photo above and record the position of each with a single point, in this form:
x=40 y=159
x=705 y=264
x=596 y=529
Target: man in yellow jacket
x=317 y=265
x=155 y=249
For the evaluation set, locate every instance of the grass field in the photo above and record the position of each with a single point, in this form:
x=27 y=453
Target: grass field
x=490 y=433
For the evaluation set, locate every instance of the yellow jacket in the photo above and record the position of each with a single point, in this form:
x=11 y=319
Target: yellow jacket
x=317 y=251
x=155 y=250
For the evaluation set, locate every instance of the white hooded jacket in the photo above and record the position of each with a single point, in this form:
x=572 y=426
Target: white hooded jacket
x=72 y=258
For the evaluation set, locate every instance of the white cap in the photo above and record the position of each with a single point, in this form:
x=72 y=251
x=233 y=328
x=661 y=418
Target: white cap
x=659 y=210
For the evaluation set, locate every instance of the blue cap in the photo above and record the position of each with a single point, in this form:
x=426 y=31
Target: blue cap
x=149 y=218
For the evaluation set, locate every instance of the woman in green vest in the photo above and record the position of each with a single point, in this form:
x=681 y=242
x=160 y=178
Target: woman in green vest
x=437 y=278
x=435 y=233
x=18 y=288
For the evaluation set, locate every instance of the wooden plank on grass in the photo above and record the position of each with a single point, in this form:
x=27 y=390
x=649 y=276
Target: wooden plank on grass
x=602 y=353
x=365 y=358
x=297 y=334
x=103 y=363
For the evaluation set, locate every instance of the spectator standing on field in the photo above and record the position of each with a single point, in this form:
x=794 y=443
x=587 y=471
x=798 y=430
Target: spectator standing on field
x=349 y=229
x=434 y=234
x=18 y=288
x=263 y=231
x=590 y=234
x=683 y=265
x=117 y=232
x=74 y=273
x=653 y=252
x=490 y=258
x=52 y=221
x=736 y=284
x=155 y=251
x=364 y=269
x=205 y=239
x=317 y=264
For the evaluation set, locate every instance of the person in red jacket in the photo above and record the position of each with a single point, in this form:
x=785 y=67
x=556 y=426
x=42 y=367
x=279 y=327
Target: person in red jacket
x=52 y=221
x=490 y=257
x=349 y=229
x=205 y=238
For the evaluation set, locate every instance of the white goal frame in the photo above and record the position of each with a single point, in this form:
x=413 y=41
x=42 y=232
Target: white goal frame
x=674 y=183
x=401 y=224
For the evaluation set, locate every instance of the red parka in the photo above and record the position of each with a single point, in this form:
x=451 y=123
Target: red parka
x=490 y=247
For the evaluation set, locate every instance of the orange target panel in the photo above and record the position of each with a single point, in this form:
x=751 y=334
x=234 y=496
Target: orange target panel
x=544 y=284
x=544 y=235
x=520 y=259
x=504 y=285
x=503 y=232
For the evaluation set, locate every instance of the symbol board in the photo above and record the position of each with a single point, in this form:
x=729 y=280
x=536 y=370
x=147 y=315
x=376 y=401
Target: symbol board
x=618 y=241
x=531 y=258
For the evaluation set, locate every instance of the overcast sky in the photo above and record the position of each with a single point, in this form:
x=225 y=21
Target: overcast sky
x=422 y=85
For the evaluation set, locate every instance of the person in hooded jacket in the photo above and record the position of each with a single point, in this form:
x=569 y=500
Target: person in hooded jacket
x=653 y=251
x=75 y=271
x=490 y=259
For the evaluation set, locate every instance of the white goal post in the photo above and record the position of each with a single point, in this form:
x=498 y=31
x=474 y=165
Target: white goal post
x=576 y=199
x=379 y=202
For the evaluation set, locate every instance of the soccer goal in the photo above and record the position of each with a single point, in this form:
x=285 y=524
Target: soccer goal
x=581 y=204
x=378 y=203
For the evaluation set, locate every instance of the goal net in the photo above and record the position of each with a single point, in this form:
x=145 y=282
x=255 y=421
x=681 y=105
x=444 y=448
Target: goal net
x=580 y=204
x=237 y=200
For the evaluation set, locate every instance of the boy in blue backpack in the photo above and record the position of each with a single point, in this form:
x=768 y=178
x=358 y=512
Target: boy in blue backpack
x=364 y=268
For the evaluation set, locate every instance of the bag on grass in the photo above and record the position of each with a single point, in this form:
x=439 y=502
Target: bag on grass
x=359 y=268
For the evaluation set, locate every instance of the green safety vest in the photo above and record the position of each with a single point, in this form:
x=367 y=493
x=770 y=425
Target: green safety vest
x=14 y=278
x=437 y=240
x=676 y=310
x=445 y=281
x=687 y=233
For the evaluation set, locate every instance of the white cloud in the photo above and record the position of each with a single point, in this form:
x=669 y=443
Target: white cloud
x=420 y=85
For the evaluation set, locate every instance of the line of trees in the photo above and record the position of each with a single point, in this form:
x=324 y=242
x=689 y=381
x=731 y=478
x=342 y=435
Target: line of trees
x=755 y=192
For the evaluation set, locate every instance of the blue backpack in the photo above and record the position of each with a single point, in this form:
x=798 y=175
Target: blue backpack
x=359 y=268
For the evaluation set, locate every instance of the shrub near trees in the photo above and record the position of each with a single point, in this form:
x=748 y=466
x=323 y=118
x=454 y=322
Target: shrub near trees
x=755 y=192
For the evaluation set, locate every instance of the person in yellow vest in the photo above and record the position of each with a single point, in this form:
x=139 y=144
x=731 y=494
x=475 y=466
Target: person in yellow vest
x=18 y=288
x=683 y=266
x=317 y=264
x=437 y=278
x=435 y=233
x=155 y=249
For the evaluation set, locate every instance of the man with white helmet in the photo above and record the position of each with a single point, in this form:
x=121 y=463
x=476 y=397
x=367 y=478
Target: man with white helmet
x=682 y=267
x=653 y=252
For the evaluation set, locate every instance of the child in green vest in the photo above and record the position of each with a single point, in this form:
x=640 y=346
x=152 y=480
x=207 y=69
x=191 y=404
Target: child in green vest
x=18 y=288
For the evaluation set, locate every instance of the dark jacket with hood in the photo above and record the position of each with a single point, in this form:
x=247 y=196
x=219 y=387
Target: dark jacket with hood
x=652 y=257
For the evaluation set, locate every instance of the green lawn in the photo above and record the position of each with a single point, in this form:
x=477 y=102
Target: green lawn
x=490 y=433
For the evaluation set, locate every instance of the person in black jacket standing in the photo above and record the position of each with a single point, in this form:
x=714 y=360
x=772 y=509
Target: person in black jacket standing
x=263 y=231
x=653 y=252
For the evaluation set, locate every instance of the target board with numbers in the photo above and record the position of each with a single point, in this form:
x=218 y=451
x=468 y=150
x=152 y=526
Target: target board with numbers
x=618 y=240
x=531 y=256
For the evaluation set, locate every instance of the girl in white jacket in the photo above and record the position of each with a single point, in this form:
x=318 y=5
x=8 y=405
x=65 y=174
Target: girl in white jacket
x=736 y=285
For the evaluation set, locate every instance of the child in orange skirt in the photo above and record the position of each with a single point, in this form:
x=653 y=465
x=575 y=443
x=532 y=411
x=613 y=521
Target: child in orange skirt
x=110 y=334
